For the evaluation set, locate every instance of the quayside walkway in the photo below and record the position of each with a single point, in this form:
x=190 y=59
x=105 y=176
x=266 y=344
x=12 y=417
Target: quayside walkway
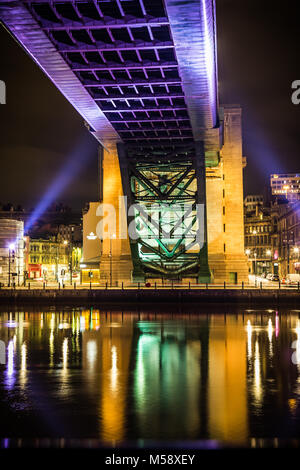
x=148 y=294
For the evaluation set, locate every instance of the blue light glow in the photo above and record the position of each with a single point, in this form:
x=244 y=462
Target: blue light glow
x=82 y=153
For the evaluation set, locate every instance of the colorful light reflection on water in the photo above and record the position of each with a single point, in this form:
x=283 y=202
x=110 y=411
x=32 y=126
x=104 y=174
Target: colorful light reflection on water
x=127 y=376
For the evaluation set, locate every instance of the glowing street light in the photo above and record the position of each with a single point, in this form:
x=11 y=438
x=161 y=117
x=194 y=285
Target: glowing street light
x=255 y=254
x=269 y=253
x=11 y=258
x=113 y=237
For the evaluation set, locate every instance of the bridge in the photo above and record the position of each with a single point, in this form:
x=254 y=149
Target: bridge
x=143 y=75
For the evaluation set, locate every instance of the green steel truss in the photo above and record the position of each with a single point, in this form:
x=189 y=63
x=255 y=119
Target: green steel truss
x=167 y=224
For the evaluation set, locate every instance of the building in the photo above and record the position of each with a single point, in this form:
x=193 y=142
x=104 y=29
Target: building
x=50 y=259
x=259 y=230
x=91 y=247
x=11 y=252
x=286 y=185
x=252 y=201
x=288 y=238
x=71 y=232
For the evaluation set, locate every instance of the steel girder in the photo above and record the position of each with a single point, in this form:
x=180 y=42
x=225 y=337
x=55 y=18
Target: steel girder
x=123 y=61
x=166 y=213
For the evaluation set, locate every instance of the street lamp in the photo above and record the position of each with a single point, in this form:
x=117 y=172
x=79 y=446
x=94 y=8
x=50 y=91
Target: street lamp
x=296 y=252
x=112 y=237
x=25 y=259
x=11 y=257
x=269 y=253
x=290 y=236
x=71 y=256
x=65 y=243
x=248 y=252
x=255 y=254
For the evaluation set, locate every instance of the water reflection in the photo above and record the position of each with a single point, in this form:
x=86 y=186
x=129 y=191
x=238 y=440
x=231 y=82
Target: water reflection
x=116 y=376
x=227 y=391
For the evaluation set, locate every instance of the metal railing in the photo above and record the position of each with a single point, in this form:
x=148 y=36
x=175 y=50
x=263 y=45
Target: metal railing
x=162 y=285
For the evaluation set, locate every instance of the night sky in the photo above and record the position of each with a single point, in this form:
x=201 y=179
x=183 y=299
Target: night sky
x=258 y=47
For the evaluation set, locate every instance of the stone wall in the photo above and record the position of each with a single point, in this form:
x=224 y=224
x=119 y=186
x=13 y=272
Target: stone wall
x=225 y=211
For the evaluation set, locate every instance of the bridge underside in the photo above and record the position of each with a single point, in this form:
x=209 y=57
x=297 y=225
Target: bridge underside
x=143 y=75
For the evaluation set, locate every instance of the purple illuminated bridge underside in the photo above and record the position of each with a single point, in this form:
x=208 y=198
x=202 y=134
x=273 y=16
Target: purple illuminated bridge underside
x=142 y=72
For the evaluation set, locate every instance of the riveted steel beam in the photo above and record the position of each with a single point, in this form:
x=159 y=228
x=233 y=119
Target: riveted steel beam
x=144 y=64
x=117 y=46
x=145 y=108
x=135 y=96
x=133 y=82
x=104 y=23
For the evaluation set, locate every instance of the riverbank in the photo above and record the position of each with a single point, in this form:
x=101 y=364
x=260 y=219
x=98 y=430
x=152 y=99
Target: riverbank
x=150 y=296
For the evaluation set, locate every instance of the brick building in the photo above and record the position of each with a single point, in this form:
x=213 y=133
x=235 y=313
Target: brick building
x=259 y=230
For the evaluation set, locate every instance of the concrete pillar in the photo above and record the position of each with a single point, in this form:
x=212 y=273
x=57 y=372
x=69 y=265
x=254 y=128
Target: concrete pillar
x=115 y=263
x=226 y=252
x=204 y=272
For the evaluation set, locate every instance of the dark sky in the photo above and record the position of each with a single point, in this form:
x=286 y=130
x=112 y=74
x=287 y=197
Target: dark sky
x=258 y=46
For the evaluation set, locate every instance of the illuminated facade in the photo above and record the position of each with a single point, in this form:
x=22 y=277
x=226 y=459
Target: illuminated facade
x=49 y=259
x=260 y=248
x=143 y=75
x=287 y=185
x=288 y=238
x=11 y=251
x=91 y=246
x=252 y=201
